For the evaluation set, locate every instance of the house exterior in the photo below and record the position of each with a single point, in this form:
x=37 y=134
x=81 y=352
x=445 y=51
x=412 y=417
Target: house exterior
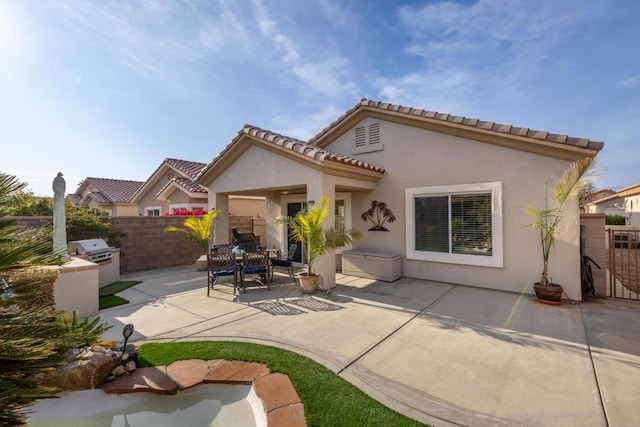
x=171 y=187
x=609 y=205
x=631 y=203
x=458 y=187
x=110 y=195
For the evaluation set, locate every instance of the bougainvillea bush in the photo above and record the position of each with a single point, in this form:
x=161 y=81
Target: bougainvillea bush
x=183 y=212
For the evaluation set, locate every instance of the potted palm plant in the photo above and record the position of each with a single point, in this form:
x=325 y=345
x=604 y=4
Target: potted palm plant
x=306 y=228
x=547 y=220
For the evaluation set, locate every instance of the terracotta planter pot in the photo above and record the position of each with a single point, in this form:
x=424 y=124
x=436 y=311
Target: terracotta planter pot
x=308 y=283
x=551 y=294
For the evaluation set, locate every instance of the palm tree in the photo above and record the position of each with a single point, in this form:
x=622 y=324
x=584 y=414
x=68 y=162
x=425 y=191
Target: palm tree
x=306 y=228
x=197 y=230
x=33 y=336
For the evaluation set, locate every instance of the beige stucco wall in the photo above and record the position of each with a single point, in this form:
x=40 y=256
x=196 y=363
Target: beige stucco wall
x=416 y=157
x=247 y=206
x=76 y=288
x=124 y=210
x=149 y=199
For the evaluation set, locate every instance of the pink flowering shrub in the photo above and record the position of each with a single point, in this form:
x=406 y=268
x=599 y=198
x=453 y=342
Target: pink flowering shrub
x=183 y=212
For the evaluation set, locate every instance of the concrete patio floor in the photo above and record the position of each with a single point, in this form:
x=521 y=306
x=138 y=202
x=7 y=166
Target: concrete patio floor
x=440 y=353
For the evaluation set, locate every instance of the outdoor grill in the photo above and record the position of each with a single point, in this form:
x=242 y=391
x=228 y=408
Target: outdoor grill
x=94 y=250
x=246 y=241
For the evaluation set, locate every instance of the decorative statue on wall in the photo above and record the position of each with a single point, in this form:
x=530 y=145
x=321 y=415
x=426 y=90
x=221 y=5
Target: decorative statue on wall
x=379 y=214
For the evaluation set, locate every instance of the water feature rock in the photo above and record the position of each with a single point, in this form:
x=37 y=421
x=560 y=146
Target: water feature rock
x=83 y=369
x=130 y=366
x=118 y=370
x=152 y=379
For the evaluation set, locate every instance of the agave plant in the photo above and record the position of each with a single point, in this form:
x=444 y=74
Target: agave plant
x=379 y=214
x=547 y=220
x=306 y=228
x=197 y=230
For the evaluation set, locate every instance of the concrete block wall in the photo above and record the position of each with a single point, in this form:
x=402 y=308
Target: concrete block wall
x=595 y=247
x=146 y=246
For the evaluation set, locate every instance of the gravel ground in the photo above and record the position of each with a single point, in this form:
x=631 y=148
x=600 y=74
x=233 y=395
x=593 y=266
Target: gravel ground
x=627 y=267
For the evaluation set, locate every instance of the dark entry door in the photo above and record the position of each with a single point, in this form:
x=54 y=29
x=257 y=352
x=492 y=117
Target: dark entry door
x=292 y=209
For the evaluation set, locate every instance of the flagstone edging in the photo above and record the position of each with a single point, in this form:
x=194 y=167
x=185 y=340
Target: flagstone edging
x=279 y=398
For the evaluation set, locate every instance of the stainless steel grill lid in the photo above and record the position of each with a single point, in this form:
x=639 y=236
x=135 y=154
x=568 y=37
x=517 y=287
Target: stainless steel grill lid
x=88 y=246
x=95 y=250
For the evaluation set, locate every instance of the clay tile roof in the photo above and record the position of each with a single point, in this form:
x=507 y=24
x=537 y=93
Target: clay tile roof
x=296 y=145
x=113 y=190
x=185 y=183
x=308 y=150
x=191 y=169
x=73 y=198
x=471 y=122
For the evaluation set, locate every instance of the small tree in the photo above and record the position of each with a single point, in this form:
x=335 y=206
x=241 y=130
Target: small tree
x=547 y=220
x=197 y=230
x=91 y=223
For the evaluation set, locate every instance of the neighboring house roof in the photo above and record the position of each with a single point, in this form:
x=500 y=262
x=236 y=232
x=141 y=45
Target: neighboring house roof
x=526 y=139
x=108 y=191
x=632 y=190
x=184 y=184
x=73 y=198
x=302 y=149
x=604 y=199
x=186 y=168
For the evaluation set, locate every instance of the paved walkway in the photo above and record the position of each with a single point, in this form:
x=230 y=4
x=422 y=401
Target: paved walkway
x=440 y=353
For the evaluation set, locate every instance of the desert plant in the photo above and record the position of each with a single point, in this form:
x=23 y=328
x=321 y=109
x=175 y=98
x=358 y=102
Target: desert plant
x=306 y=228
x=547 y=220
x=33 y=335
x=197 y=230
x=379 y=214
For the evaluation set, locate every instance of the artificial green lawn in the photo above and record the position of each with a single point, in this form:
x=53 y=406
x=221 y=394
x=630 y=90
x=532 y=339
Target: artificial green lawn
x=328 y=399
x=107 y=297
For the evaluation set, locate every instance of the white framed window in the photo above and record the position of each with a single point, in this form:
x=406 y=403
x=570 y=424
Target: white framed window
x=367 y=138
x=457 y=224
x=152 y=211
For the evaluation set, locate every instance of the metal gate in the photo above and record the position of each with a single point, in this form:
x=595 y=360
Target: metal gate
x=624 y=264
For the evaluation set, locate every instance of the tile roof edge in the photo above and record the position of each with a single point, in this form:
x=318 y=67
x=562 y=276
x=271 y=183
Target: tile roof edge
x=472 y=123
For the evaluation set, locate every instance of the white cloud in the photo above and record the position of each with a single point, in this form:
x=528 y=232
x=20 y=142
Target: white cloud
x=630 y=82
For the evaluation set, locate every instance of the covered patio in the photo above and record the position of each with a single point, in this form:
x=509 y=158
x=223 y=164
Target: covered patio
x=289 y=174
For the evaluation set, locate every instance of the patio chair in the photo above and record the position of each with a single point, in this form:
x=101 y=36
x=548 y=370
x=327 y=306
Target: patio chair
x=255 y=263
x=285 y=263
x=221 y=264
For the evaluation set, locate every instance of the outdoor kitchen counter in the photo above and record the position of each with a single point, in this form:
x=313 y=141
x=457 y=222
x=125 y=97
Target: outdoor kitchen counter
x=76 y=288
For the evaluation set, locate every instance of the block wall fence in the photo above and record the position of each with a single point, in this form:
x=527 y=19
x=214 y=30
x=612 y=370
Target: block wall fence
x=145 y=245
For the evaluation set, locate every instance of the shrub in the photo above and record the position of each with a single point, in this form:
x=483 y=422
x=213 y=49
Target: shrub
x=615 y=220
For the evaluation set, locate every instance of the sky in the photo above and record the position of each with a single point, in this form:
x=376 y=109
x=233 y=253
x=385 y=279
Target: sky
x=109 y=89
